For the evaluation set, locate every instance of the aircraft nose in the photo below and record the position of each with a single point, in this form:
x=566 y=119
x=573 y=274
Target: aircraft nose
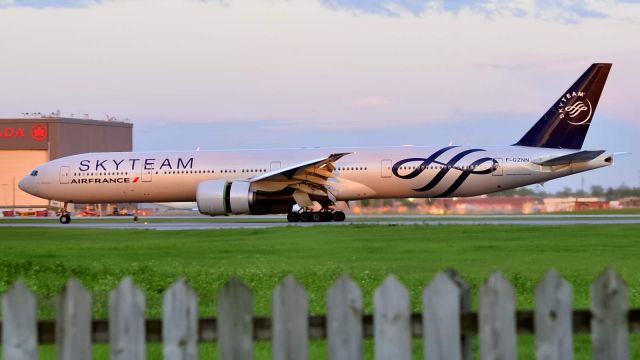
x=24 y=184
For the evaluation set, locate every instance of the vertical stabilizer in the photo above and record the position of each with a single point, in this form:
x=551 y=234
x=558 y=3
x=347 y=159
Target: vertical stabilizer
x=566 y=123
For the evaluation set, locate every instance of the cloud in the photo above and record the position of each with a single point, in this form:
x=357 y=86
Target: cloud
x=42 y=4
x=307 y=63
x=391 y=8
x=372 y=102
x=568 y=11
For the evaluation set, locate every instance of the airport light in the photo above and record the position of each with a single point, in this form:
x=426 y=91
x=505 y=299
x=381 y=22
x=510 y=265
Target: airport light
x=13 y=203
x=4 y=192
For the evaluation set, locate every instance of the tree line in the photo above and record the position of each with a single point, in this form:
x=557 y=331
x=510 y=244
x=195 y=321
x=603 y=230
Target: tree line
x=609 y=193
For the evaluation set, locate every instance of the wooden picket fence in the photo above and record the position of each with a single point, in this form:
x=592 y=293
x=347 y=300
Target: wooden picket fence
x=446 y=324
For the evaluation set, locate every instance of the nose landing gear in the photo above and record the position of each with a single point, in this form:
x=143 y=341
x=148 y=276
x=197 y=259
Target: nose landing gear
x=325 y=215
x=65 y=218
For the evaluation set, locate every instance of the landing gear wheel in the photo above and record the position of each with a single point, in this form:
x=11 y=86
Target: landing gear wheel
x=305 y=217
x=339 y=216
x=65 y=219
x=293 y=217
x=316 y=216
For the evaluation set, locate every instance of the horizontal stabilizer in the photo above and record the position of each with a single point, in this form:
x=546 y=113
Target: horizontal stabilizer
x=574 y=157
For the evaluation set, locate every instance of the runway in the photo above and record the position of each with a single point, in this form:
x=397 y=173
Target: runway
x=259 y=222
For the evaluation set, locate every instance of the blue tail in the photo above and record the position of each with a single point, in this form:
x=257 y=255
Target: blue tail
x=565 y=124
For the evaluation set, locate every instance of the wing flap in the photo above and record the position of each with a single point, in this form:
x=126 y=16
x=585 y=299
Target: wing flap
x=302 y=199
x=307 y=178
x=290 y=171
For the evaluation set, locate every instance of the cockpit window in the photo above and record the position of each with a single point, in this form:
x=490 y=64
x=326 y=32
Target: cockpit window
x=34 y=173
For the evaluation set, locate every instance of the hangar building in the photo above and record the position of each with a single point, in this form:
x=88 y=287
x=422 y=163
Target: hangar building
x=28 y=142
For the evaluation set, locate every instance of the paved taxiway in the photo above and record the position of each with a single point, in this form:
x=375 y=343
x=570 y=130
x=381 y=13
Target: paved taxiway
x=157 y=223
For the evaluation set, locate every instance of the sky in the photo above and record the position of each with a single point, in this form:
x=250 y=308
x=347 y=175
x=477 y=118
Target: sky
x=215 y=74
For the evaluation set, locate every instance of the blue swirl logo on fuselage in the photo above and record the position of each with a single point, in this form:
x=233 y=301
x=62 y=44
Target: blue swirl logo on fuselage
x=446 y=167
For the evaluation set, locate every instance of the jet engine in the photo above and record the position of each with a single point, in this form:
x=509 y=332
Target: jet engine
x=221 y=197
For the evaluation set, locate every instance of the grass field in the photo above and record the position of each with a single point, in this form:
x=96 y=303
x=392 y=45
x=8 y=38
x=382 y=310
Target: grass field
x=46 y=257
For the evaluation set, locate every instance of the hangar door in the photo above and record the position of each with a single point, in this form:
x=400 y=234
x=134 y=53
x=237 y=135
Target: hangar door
x=14 y=164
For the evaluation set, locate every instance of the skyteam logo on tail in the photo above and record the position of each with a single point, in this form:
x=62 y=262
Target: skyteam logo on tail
x=575 y=108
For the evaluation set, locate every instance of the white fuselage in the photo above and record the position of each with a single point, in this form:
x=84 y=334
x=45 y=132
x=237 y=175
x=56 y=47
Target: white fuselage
x=388 y=172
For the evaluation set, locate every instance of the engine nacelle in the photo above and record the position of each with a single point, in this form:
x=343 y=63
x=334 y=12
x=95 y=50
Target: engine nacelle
x=221 y=197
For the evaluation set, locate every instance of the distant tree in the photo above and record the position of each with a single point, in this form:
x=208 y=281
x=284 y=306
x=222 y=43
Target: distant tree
x=597 y=190
x=408 y=203
x=580 y=193
x=522 y=191
x=565 y=192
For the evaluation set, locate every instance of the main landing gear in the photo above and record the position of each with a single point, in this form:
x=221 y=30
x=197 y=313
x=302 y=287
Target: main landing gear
x=65 y=218
x=316 y=216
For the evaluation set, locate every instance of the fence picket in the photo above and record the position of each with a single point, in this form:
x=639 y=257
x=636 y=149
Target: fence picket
x=180 y=316
x=19 y=334
x=553 y=318
x=344 y=320
x=392 y=317
x=235 y=321
x=496 y=319
x=465 y=308
x=446 y=316
x=73 y=322
x=441 y=319
x=609 y=322
x=126 y=322
x=290 y=322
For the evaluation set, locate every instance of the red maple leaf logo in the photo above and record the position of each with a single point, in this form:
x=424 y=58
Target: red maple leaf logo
x=39 y=132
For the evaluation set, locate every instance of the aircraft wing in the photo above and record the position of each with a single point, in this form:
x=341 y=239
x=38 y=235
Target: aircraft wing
x=579 y=156
x=306 y=178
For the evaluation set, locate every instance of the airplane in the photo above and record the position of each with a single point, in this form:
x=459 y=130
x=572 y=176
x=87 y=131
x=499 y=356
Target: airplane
x=292 y=181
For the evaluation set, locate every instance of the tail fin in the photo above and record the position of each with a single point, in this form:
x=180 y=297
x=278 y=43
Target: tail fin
x=566 y=123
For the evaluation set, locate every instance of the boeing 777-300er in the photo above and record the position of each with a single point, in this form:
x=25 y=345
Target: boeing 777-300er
x=275 y=181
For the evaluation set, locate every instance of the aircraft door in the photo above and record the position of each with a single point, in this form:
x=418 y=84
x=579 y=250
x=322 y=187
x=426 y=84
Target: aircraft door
x=385 y=168
x=499 y=170
x=146 y=175
x=64 y=175
x=275 y=165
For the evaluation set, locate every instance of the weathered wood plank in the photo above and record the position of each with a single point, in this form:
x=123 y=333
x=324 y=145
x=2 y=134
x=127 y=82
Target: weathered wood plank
x=19 y=335
x=496 y=319
x=180 y=319
x=392 y=321
x=465 y=308
x=126 y=322
x=553 y=318
x=609 y=324
x=235 y=321
x=73 y=322
x=290 y=321
x=441 y=319
x=344 y=320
